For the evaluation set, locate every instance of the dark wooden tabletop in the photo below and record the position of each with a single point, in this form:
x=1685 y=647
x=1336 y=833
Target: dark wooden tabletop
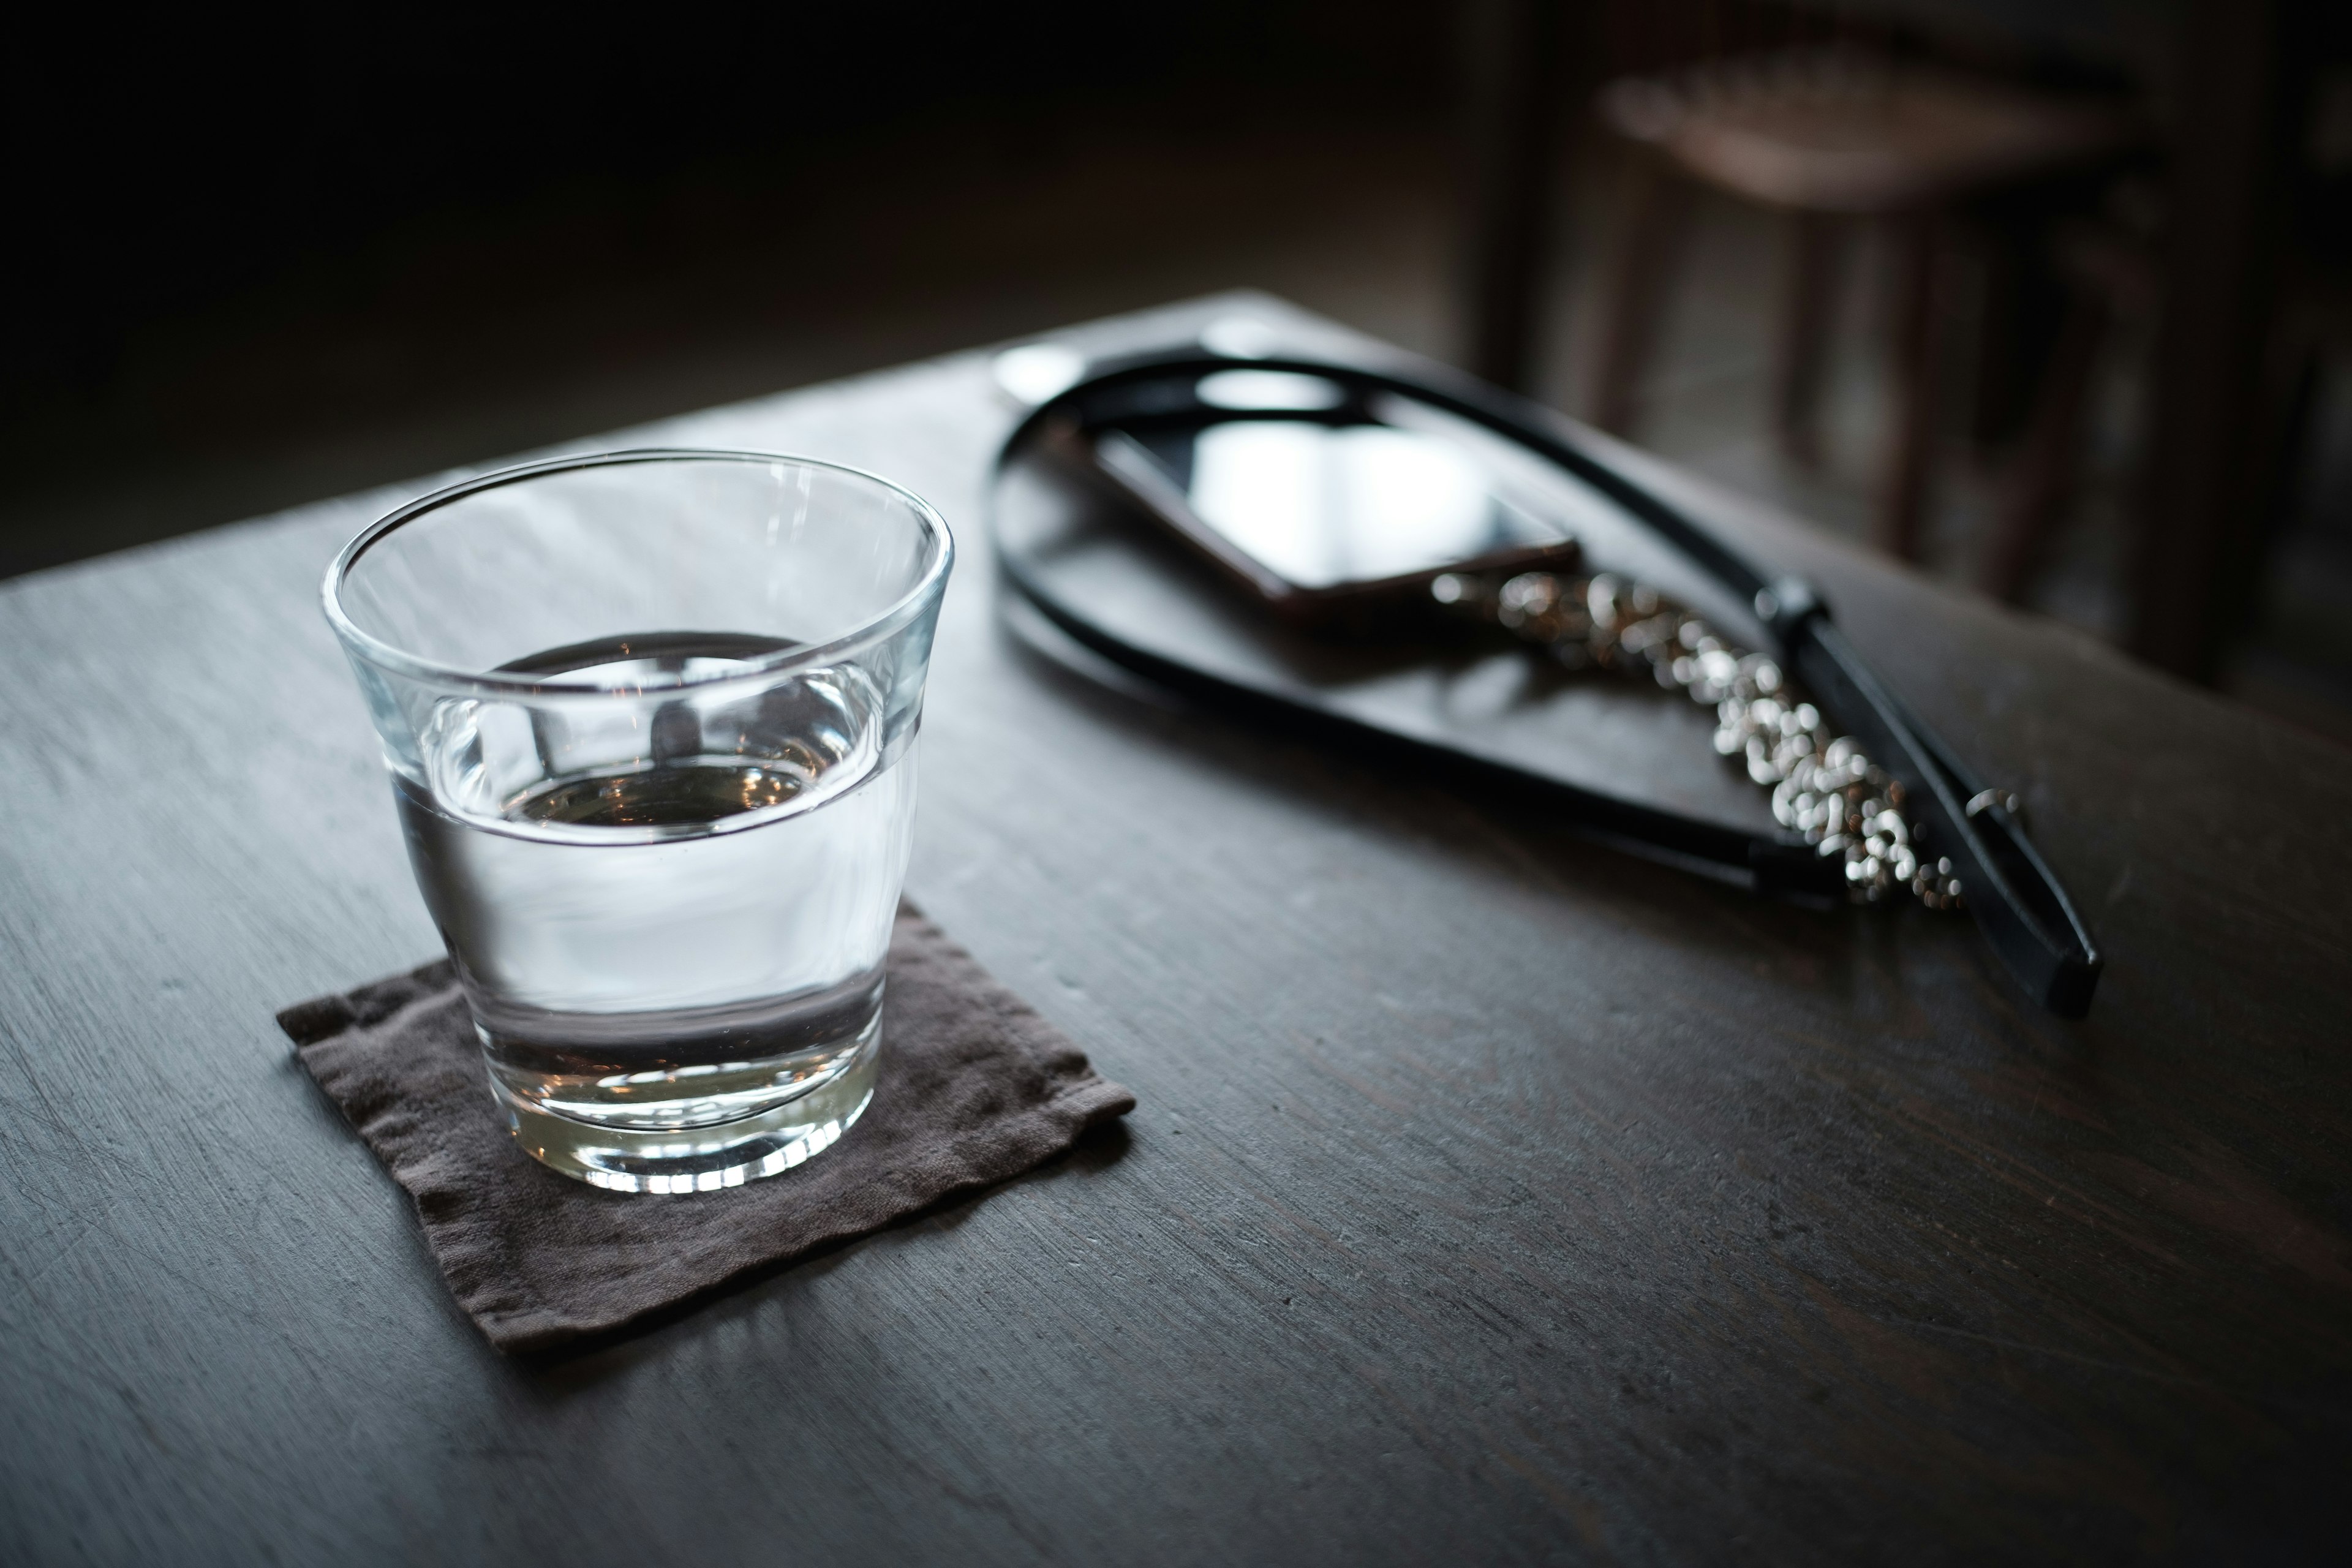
x=1493 y=1196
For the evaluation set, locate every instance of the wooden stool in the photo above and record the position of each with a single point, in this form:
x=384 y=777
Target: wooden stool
x=1831 y=136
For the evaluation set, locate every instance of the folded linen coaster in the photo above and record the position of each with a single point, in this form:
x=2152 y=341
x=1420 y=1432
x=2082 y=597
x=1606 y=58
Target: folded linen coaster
x=974 y=1087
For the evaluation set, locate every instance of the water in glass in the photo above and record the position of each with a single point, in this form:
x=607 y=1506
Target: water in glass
x=672 y=935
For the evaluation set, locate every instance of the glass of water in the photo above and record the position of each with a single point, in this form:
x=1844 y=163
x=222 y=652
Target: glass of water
x=650 y=721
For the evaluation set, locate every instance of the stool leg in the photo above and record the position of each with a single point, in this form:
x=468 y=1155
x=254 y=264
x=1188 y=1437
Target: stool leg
x=1918 y=368
x=2044 y=475
x=1516 y=98
x=1809 y=309
x=1633 y=295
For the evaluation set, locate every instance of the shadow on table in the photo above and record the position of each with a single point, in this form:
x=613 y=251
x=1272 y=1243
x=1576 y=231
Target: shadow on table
x=1358 y=777
x=1892 y=966
x=585 y=1363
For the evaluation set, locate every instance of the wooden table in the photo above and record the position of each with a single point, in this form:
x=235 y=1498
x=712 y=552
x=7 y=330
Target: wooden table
x=1494 y=1197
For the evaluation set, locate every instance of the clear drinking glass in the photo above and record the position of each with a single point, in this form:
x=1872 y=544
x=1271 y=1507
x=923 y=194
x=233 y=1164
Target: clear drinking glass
x=650 y=721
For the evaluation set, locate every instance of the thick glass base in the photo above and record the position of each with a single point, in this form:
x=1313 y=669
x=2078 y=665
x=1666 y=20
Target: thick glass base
x=698 y=1158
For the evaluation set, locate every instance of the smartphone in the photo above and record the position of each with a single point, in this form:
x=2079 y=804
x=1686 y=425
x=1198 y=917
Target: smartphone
x=1333 y=509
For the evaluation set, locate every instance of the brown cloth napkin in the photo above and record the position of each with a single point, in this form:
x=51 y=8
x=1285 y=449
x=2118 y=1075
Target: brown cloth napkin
x=974 y=1087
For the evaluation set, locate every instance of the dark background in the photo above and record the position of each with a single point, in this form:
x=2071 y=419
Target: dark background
x=169 y=162
x=236 y=234
x=258 y=260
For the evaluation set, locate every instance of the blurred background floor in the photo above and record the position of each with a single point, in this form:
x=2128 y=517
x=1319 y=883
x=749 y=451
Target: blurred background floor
x=463 y=332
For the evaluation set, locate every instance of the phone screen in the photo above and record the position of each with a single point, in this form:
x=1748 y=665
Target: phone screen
x=1322 y=503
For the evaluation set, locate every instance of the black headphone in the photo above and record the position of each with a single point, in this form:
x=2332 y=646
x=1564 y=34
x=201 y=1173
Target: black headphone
x=2019 y=904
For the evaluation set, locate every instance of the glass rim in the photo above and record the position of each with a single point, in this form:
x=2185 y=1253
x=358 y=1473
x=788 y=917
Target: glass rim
x=400 y=661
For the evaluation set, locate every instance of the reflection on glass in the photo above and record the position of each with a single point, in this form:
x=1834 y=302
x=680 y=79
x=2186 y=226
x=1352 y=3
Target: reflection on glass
x=1241 y=337
x=1322 y=504
x=1270 y=389
x=1036 y=372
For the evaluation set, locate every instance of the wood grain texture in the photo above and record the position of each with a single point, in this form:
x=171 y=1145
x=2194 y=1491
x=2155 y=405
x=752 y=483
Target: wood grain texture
x=1492 y=1197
